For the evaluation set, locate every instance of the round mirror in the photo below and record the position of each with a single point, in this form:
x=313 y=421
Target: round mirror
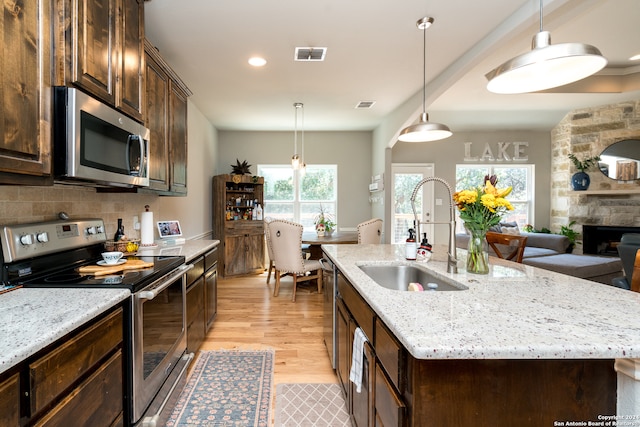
x=621 y=160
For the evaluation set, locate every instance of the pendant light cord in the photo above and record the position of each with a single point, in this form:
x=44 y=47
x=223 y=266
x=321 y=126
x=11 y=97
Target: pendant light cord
x=541 y=16
x=424 y=70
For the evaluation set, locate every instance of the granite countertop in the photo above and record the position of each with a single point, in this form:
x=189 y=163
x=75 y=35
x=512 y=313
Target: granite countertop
x=31 y=319
x=190 y=249
x=514 y=312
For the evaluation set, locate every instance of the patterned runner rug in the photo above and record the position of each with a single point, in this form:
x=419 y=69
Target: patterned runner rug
x=310 y=405
x=227 y=388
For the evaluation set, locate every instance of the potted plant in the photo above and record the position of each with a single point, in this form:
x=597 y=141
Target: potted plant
x=324 y=223
x=571 y=234
x=580 y=180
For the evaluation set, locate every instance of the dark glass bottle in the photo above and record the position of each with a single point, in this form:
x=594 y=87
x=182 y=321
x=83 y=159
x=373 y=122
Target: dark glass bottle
x=119 y=232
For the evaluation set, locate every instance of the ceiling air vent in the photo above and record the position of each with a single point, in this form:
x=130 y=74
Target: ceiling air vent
x=310 y=54
x=365 y=104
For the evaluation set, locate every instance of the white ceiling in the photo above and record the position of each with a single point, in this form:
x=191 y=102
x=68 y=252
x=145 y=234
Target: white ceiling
x=374 y=53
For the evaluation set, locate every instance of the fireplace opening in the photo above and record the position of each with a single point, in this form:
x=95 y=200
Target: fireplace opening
x=603 y=239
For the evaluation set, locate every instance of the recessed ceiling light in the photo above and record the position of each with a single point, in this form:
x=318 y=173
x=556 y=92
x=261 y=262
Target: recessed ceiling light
x=635 y=57
x=256 y=61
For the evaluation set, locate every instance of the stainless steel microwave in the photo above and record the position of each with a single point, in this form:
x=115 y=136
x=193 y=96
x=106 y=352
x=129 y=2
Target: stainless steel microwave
x=93 y=144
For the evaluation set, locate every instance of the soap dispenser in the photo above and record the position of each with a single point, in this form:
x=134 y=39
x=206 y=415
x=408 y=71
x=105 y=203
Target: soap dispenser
x=424 y=251
x=411 y=248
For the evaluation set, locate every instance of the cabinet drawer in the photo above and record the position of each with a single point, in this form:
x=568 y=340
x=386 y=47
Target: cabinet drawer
x=196 y=271
x=210 y=259
x=10 y=401
x=52 y=374
x=390 y=409
x=357 y=306
x=96 y=402
x=392 y=356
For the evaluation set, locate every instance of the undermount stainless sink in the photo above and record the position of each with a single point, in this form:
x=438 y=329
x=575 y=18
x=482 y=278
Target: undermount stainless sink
x=398 y=278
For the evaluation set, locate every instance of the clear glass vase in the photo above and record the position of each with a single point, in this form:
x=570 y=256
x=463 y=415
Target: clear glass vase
x=478 y=253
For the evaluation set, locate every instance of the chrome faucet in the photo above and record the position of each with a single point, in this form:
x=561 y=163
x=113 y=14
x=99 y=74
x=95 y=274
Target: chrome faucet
x=452 y=262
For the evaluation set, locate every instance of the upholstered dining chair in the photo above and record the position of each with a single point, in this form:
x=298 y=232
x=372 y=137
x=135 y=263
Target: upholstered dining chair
x=370 y=231
x=286 y=240
x=501 y=243
x=635 y=279
x=266 y=222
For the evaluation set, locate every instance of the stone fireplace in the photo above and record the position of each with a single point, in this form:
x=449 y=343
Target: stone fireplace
x=607 y=202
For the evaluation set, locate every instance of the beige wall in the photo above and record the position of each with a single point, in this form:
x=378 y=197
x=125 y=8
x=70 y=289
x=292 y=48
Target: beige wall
x=351 y=151
x=19 y=204
x=195 y=211
x=445 y=154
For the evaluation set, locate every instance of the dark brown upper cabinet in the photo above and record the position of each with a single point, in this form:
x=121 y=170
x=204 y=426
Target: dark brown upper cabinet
x=166 y=119
x=100 y=49
x=25 y=93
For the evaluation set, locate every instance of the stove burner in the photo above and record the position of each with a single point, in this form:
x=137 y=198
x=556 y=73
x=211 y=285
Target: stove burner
x=65 y=278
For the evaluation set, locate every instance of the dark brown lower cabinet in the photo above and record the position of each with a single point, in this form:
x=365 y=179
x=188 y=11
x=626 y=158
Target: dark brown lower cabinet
x=202 y=298
x=76 y=381
x=10 y=400
x=399 y=390
x=196 y=327
x=95 y=402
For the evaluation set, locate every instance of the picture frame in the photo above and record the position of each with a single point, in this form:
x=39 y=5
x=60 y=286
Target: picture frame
x=169 y=229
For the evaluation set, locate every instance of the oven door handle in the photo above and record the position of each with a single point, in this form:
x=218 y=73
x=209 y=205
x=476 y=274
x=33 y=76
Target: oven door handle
x=166 y=282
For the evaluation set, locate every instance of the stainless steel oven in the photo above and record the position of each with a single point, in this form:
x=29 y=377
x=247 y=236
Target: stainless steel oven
x=48 y=254
x=159 y=342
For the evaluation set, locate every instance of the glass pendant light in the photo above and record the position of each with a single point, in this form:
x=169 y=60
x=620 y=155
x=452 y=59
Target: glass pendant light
x=295 y=159
x=545 y=66
x=424 y=130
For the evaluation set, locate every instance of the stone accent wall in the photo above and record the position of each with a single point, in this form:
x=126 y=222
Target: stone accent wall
x=586 y=133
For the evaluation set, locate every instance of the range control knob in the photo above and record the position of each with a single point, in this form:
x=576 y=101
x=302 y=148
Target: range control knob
x=26 y=239
x=100 y=229
x=42 y=237
x=91 y=230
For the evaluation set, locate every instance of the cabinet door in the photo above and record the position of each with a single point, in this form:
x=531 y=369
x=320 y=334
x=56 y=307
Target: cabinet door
x=25 y=92
x=211 y=295
x=195 y=315
x=94 y=62
x=131 y=64
x=362 y=403
x=156 y=114
x=234 y=255
x=254 y=253
x=389 y=407
x=343 y=347
x=10 y=401
x=178 y=139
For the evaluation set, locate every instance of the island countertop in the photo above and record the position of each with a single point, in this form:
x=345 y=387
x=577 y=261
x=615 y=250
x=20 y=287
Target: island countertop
x=514 y=312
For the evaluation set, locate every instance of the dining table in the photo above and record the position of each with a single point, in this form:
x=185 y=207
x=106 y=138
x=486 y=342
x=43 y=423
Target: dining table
x=315 y=242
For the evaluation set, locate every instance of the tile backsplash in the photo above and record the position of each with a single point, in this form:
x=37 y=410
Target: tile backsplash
x=20 y=204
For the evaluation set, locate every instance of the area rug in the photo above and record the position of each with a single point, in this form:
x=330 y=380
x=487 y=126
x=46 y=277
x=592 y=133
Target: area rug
x=310 y=405
x=227 y=388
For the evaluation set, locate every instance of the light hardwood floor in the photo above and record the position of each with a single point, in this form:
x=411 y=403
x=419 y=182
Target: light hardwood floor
x=250 y=317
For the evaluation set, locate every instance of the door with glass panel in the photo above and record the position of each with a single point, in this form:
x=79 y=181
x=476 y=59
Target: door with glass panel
x=405 y=178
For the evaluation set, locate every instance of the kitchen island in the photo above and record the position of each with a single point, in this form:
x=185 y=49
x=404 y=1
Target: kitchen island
x=516 y=314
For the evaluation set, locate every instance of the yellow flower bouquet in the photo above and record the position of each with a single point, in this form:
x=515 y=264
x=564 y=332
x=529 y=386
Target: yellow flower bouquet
x=481 y=208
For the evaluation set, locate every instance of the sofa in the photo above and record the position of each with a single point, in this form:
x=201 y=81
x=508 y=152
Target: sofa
x=549 y=251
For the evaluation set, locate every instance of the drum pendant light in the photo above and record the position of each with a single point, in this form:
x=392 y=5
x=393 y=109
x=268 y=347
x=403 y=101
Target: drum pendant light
x=546 y=66
x=424 y=130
